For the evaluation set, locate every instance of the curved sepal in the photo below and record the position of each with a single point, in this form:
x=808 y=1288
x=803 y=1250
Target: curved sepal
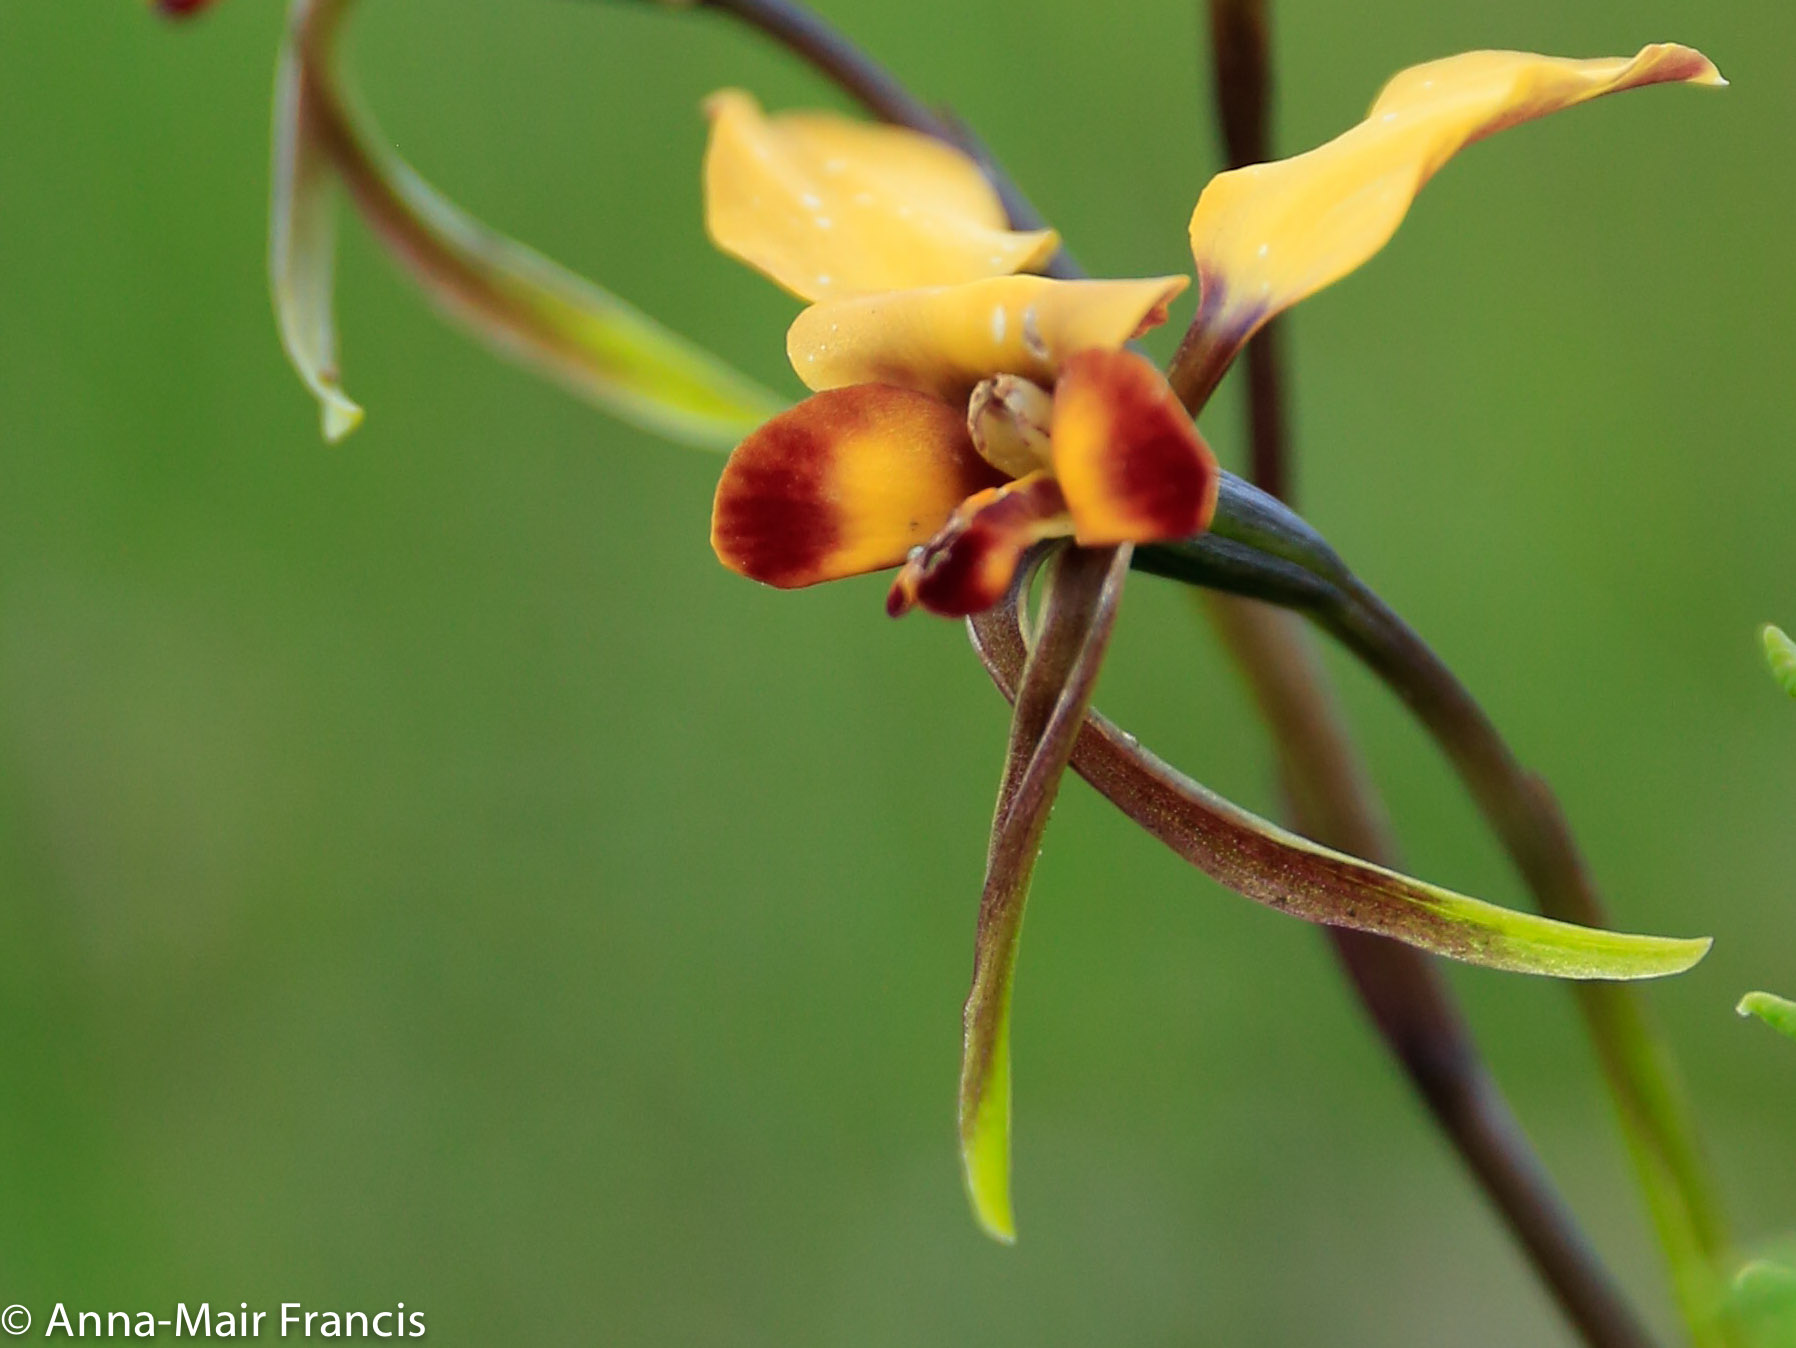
x=1271 y=865
x=520 y=303
x=302 y=241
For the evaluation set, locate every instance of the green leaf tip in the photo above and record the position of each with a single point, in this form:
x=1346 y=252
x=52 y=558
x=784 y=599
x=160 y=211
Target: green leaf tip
x=1780 y=654
x=1777 y=1012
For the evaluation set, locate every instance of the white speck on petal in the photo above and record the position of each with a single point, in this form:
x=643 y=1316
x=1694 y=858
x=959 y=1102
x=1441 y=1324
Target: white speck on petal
x=1033 y=341
x=1000 y=320
x=810 y=201
x=1265 y=248
x=824 y=222
x=1388 y=117
x=823 y=278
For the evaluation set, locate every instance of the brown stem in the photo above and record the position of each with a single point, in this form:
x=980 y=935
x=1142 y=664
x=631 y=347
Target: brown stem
x=1241 y=53
x=1334 y=801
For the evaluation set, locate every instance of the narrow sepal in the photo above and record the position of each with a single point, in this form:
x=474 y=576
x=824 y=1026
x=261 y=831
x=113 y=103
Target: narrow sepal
x=1270 y=865
x=520 y=303
x=302 y=239
x=1078 y=614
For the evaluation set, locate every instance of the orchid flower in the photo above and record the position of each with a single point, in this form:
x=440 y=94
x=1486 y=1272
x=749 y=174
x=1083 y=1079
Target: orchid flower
x=963 y=412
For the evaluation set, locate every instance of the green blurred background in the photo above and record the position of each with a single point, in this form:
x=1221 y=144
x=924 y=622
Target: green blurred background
x=426 y=875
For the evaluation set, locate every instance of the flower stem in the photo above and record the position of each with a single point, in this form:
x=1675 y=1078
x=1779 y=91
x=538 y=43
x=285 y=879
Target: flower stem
x=1241 y=57
x=1332 y=797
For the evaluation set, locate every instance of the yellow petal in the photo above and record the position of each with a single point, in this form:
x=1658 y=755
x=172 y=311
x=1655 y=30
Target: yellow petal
x=828 y=206
x=947 y=339
x=846 y=482
x=1269 y=235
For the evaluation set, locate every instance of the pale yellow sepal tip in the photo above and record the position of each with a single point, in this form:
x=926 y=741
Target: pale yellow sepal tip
x=339 y=417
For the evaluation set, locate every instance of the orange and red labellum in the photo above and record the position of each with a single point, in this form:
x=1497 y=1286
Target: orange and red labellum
x=967 y=567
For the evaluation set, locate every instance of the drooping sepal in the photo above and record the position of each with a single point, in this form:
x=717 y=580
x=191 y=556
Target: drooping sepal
x=520 y=303
x=302 y=231
x=1271 y=865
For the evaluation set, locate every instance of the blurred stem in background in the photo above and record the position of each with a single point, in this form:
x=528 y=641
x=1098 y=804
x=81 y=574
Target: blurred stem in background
x=1334 y=802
